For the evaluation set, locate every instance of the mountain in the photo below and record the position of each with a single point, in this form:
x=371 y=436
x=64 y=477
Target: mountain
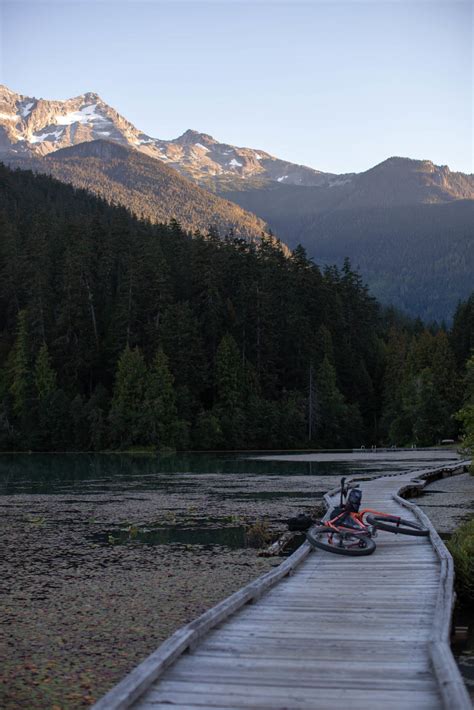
x=395 y=182
x=221 y=166
x=406 y=224
x=36 y=127
x=143 y=184
x=372 y=217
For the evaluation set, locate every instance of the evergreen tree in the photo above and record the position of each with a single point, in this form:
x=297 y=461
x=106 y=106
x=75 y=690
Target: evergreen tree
x=466 y=414
x=229 y=388
x=20 y=370
x=183 y=344
x=462 y=333
x=48 y=403
x=128 y=419
x=160 y=404
x=207 y=433
x=332 y=408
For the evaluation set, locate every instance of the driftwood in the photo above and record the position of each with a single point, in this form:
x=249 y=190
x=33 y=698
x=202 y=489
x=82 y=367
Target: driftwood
x=277 y=547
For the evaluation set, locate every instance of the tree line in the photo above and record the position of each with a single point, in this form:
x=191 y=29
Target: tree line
x=119 y=333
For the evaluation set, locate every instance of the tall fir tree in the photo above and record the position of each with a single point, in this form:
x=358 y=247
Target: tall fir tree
x=128 y=418
x=332 y=408
x=160 y=405
x=20 y=369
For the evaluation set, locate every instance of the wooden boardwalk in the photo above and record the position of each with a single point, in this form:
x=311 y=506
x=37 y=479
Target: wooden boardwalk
x=321 y=632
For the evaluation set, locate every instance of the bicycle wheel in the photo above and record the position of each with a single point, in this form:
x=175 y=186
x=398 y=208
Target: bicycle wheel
x=391 y=523
x=340 y=543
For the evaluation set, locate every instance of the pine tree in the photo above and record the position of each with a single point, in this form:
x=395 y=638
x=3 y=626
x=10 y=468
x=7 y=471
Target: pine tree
x=229 y=386
x=184 y=347
x=160 y=404
x=127 y=418
x=51 y=405
x=20 y=369
x=333 y=409
x=207 y=432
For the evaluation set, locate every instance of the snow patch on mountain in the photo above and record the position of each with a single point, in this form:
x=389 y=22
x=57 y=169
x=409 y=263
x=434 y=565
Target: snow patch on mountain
x=84 y=115
x=46 y=136
x=26 y=109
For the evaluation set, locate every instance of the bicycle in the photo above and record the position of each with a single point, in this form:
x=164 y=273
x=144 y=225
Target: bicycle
x=350 y=531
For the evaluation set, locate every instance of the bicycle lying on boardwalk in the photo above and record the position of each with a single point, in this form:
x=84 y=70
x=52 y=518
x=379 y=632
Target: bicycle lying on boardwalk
x=350 y=531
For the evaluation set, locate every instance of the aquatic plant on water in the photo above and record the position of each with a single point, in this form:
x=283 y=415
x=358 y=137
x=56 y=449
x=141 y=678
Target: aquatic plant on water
x=258 y=535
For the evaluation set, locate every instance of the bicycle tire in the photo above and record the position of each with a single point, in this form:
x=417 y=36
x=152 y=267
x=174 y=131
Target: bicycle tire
x=343 y=544
x=399 y=526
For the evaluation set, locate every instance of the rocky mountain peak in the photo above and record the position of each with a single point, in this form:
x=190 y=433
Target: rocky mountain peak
x=91 y=96
x=191 y=137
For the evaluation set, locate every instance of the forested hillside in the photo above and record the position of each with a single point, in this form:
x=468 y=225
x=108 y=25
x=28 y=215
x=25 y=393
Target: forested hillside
x=116 y=333
x=146 y=186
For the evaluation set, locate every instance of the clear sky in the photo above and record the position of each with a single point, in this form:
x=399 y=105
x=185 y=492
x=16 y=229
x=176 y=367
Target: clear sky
x=339 y=86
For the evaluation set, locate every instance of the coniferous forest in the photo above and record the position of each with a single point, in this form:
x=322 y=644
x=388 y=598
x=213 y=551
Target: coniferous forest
x=117 y=333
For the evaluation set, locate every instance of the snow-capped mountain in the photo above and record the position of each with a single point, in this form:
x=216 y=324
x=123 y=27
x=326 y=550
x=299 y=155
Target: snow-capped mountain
x=36 y=127
x=206 y=160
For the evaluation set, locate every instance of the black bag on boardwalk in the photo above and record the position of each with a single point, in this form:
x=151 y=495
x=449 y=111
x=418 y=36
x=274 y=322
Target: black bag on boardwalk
x=301 y=523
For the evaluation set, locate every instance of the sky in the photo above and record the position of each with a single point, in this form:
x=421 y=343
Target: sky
x=339 y=86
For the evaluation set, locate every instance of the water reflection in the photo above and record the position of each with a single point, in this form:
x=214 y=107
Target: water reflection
x=99 y=473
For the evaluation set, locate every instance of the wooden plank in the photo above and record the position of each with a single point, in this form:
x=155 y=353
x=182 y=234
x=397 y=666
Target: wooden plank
x=210 y=695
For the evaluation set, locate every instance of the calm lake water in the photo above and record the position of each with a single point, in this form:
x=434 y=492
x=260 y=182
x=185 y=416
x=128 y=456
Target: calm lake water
x=99 y=473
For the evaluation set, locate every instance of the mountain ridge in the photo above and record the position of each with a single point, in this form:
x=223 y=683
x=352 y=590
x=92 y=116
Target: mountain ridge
x=34 y=127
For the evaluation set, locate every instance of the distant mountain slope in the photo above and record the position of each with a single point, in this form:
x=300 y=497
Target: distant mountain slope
x=396 y=181
x=419 y=258
x=408 y=225
x=145 y=185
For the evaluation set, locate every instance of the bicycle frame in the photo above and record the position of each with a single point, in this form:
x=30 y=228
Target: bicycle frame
x=360 y=526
